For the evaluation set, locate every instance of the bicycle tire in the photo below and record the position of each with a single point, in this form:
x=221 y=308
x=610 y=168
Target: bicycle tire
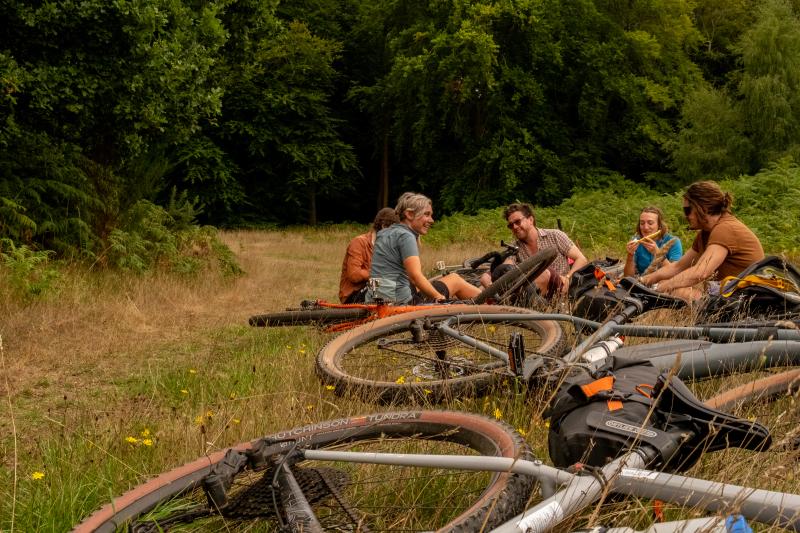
x=351 y=365
x=765 y=388
x=503 y=496
x=299 y=317
x=502 y=289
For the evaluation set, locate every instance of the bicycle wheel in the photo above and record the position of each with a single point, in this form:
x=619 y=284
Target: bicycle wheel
x=765 y=389
x=525 y=272
x=299 y=317
x=344 y=496
x=387 y=361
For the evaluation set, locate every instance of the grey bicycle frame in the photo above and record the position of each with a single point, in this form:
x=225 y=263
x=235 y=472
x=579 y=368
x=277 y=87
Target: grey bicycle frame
x=743 y=350
x=625 y=475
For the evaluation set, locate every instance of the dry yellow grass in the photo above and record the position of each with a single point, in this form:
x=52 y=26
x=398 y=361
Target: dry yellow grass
x=110 y=355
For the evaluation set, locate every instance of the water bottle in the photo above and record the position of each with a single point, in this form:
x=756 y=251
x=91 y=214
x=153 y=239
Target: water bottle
x=602 y=349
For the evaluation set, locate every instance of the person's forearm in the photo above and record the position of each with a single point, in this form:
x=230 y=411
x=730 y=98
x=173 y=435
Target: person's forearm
x=687 y=278
x=424 y=286
x=660 y=274
x=630 y=266
x=357 y=275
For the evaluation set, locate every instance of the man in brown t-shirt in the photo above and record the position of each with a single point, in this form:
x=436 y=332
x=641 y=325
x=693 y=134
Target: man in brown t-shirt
x=723 y=247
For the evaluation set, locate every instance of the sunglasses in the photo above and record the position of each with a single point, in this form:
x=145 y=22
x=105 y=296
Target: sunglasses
x=687 y=210
x=514 y=223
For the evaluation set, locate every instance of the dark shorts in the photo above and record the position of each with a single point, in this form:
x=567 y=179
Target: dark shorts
x=419 y=298
x=356 y=297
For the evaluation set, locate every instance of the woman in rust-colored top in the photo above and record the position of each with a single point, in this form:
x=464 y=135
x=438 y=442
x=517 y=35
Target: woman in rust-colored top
x=358 y=258
x=723 y=247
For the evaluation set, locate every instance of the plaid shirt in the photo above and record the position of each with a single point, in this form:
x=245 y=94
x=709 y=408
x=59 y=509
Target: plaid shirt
x=549 y=238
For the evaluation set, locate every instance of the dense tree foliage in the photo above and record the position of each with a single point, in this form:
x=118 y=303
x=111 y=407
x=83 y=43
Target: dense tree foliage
x=254 y=112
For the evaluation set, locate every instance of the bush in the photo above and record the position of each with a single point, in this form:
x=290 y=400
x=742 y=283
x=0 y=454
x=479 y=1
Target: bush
x=28 y=273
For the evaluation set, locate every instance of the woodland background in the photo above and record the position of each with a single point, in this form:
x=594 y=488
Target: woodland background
x=124 y=121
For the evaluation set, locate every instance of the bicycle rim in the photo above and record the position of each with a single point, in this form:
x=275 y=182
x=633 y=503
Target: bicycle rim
x=345 y=496
x=384 y=362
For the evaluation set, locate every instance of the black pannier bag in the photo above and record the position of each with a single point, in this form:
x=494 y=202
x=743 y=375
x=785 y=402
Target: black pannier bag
x=591 y=276
x=598 y=302
x=596 y=418
x=769 y=288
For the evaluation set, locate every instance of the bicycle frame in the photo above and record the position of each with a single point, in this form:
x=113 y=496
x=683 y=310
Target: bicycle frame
x=625 y=475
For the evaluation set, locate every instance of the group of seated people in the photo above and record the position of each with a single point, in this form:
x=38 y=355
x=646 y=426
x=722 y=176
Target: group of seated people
x=389 y=252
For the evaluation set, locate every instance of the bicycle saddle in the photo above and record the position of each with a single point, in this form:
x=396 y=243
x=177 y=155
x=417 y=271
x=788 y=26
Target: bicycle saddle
x=650 y=299
x=712 y=429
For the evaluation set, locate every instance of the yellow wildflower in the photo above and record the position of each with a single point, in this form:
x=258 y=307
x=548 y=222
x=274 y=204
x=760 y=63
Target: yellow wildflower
x=198 y=419
x=36 y=476
x=145 y=432
x=184 y=391
x=147 y=442
x=400 y=380
x=498 y=414
x=309 y=407
x=302 y=351
x=329 y=387
x=209 y=414
x=522 y=432
x=427 y=391
x=492 y=329
x=192 y=371
x=132 y=440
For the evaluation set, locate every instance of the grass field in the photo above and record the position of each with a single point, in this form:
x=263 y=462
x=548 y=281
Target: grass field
x=114 y=378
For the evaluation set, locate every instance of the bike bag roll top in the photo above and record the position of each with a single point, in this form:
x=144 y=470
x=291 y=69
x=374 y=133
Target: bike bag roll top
x=586 y=277
x=595 y=418
x=767 y=288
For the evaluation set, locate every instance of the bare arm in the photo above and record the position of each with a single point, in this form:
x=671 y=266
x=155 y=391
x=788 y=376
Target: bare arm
x=579 y=259
x=414 y=270
x=630 y=263
x=703 y=268
x=672 y=269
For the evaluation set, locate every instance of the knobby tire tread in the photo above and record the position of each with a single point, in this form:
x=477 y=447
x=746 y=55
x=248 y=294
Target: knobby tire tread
x=299 y=317
x=509 y=282
x=504 y=497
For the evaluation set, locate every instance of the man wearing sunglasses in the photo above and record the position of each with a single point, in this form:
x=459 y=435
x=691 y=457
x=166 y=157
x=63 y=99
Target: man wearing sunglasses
x=530 y=240
x=724 y=246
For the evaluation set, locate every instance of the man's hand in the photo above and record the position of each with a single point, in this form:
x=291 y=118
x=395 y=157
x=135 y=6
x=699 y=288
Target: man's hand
x=564 y=284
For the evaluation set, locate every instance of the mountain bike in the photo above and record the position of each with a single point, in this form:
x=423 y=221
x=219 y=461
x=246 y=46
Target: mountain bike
x=339 y=317
x=442 y=354
x=430 y=470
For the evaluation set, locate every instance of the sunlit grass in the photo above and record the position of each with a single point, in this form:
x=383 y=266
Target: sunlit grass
x=116 y=379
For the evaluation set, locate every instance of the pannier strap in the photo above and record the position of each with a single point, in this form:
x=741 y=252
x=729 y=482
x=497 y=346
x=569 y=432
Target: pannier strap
x=599 y=385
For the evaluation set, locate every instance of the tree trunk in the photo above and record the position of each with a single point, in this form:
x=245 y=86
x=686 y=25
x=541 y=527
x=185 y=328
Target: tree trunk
x=383 y=183
x=312 y=206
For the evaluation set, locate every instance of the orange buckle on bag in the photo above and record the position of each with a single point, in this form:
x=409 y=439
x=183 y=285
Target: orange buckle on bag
x=600 y=385
x=614 y=405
